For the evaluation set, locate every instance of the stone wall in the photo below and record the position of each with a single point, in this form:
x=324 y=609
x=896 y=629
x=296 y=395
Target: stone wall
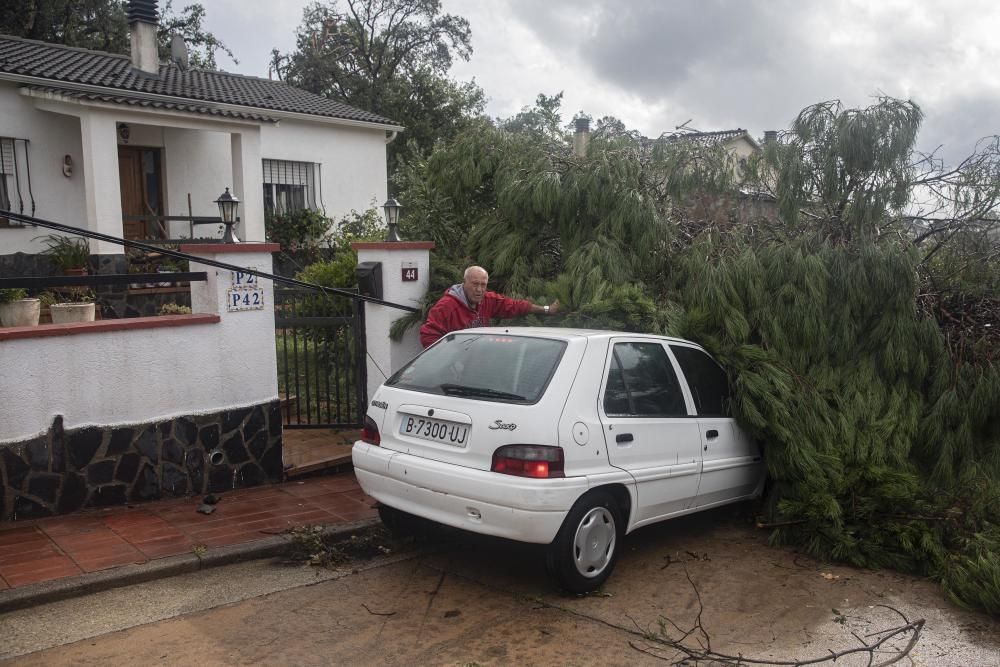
x=65 y=471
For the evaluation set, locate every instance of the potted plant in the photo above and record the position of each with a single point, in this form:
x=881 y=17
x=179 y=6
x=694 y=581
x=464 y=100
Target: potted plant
x=170 y=265
x=72 y=305
x=16 y=310
x=69 y=254
x=174 y=309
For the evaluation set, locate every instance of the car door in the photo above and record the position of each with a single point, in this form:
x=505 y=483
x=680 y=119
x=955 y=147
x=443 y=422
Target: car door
x=648 y=431
x=731 y=464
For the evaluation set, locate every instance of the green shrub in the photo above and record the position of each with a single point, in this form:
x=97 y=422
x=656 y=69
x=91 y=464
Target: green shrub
x=65 y=252
x=301 y=234
x=12 y=294
x=174 y=309
x=339 y=271
x=336 y=272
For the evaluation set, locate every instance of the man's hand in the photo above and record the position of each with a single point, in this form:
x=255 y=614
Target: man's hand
x=553 y=307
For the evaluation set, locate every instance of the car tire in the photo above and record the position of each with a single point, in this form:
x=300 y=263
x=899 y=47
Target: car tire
x=401 y=524
x=404 y=525
x=586 y=547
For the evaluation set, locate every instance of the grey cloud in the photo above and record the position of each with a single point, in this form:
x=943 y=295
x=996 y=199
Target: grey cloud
x=754 y=63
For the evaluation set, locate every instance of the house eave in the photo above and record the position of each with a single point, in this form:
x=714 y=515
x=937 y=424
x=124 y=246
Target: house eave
x=43 y=97
x=233 y=108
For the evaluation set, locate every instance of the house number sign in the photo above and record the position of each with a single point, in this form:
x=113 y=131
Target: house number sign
x=409 y=272
x=245 y=293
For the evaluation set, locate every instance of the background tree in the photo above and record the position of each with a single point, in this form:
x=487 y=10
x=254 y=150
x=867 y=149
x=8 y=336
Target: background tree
x=103 y=25
x=89 y=24
x=390 y=57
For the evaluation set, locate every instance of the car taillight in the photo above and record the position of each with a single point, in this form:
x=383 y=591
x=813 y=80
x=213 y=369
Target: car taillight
x=539 y=461
x=370 y=432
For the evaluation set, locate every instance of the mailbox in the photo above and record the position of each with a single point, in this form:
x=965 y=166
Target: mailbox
x=369 y=275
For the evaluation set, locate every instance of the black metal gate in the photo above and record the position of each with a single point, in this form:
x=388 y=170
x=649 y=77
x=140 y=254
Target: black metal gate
x=322 y=372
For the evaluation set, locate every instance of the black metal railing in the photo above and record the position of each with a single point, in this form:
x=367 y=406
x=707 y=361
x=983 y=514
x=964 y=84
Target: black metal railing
x=156 y=228
x=177 y=254
x=321 y=354
x=44 y=282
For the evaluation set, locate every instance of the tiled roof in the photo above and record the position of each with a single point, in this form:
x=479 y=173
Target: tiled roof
x=712 y=138
x=95 y=68
x=131 y=100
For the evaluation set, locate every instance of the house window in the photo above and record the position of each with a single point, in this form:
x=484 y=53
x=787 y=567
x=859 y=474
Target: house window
x=289 y=186
x=15 y=179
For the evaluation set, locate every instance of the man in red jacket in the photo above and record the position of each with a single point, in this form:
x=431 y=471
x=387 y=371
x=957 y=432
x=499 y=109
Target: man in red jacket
x=467 y=304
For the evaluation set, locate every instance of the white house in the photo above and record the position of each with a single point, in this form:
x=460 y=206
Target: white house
x=95 y=140
x=132 y=408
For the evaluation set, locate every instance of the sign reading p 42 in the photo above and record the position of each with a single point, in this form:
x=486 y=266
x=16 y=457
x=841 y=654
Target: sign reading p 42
x=245 y=299
x=245 y=294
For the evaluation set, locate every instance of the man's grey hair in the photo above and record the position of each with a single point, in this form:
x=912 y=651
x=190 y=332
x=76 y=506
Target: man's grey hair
x=472 y=269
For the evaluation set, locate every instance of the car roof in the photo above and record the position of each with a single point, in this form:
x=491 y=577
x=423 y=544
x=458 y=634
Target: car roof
x=566 y=333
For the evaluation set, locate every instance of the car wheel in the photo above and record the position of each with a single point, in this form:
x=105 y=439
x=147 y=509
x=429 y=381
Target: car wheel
x=401 y=524
x=585 y=550
x=405 y=525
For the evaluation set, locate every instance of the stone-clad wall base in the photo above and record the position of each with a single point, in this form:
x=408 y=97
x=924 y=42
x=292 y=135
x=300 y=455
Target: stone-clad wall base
x=65 y=471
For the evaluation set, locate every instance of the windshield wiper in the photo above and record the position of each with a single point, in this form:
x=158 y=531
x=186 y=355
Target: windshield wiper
x=481 y=392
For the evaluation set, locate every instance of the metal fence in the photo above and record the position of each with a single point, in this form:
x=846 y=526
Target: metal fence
x=322 y=373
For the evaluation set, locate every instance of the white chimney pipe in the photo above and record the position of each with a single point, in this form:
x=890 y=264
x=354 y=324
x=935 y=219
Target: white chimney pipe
x=582 y=137
x=143 y=23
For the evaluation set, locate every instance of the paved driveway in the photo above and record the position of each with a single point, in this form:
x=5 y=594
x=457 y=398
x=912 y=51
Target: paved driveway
x=487 y=602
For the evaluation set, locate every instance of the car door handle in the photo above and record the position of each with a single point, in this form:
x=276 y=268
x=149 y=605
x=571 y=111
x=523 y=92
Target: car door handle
x=623 y=437
x=711 y=434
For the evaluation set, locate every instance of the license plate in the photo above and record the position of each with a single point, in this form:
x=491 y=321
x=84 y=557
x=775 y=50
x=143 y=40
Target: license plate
x=435 y=430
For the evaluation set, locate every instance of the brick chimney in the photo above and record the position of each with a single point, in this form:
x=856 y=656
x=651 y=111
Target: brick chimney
x=143 y=22
x=582 y=137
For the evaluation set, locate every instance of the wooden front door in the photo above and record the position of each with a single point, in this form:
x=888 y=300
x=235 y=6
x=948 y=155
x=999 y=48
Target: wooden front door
x=139 y=175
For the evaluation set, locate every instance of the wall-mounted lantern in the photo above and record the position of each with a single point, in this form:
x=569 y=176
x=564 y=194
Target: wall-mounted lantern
x=228 y=207
x=392 y=209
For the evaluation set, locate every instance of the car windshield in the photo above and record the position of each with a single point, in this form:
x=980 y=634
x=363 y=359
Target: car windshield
x=488 y=367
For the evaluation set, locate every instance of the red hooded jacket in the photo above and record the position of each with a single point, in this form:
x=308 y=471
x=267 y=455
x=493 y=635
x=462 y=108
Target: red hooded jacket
x=453 y=312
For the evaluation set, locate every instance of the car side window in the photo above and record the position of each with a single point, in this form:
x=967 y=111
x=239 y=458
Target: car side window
x=642 y=383
x=709 y=384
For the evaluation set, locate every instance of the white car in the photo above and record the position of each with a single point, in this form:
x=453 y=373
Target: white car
x=563 y=437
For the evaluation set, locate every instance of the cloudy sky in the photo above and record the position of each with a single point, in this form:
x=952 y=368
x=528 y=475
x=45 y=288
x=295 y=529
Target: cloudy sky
x=715 y=64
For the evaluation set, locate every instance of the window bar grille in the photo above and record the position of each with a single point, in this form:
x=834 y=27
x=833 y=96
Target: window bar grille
x=319 y=185
x=283 y=178
x=8 y=159
x=17 y=178
x=27 y=166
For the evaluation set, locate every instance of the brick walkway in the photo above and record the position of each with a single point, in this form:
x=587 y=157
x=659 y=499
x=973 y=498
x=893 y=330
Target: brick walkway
x=47 y=549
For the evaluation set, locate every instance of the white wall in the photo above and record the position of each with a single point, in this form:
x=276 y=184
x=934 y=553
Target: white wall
x=51 y=137
x=386 y=356
x=210 y=153
x=142 y=375
x=353 y=161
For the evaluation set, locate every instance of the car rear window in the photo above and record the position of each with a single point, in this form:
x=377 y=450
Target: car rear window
x=488 y=367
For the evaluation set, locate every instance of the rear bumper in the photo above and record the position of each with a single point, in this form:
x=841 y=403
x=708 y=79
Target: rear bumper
x=527 y=510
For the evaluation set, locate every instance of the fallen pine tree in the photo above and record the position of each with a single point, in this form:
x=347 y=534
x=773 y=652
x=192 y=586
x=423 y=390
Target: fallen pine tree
x=879 y=415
